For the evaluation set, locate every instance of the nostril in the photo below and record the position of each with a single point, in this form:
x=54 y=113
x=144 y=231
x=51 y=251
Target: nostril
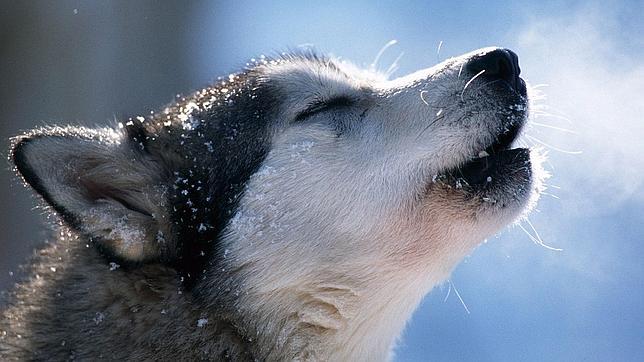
x=501 y=63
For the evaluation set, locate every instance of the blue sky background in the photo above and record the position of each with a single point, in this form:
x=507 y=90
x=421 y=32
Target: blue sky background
x=525 y=302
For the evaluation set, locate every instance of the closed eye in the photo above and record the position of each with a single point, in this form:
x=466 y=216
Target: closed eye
x=322 y=106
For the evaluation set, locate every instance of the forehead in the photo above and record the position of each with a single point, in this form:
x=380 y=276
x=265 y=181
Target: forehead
x=266 y=91
x=314 y=75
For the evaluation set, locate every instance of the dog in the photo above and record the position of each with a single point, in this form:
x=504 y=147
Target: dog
x=296 y=210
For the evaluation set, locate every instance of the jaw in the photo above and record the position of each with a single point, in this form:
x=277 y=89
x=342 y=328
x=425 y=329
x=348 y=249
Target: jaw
x=349 y=308
x=346 y=309
x=345 y=305
x=499 y=181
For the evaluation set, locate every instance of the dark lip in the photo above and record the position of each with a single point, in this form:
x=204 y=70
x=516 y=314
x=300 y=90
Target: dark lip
x=492 y=176
x=481 y=171
x=484 y=172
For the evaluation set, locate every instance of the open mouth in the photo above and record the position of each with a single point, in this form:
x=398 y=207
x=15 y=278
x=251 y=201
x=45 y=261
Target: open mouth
x=497 y=162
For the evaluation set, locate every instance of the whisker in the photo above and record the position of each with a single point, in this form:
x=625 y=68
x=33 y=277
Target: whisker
x=459 y=297
x=539 y=113
x=534 y=145
x=539 y=237
x=486 y=84
x=448 y=292
x=394 y=66
x=438 y=116
x=553 y=127
x=551 y=195
x=374 y=64
x=470 y=82
x=553 y=147
x=536 y=238
x=438 y=52
x=423 y=98
x=552 y=167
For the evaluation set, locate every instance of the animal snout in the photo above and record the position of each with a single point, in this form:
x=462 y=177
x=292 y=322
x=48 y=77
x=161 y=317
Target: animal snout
x=498 y=64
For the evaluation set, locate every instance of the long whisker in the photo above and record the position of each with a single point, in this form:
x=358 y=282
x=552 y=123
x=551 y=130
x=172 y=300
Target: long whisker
x=551 y=195
x=459 y=297
x=536 y=238
x=553 y=127
x=438 y=52
x=394 y=66
x=422 y=98
x=542 y=113
x=535 y=145
x=374 y=64
x=486 y=84
x=539 y=237
x=440 y=115
x=553 y=147
x=523 y=143
x=470 y=82
x=448 y=292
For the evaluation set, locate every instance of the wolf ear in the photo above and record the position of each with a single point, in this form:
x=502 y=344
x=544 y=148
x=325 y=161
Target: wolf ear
x=103 y=183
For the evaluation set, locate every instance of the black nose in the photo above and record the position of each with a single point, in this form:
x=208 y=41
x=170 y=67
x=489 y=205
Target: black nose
x=497 y=64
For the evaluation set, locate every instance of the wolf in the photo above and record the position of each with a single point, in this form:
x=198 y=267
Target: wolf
x=298 y=209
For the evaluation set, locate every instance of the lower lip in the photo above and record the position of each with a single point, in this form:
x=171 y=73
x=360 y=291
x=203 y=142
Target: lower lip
x=478 y=171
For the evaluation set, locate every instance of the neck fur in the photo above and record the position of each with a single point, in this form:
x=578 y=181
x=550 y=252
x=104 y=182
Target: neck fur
x=338 y=320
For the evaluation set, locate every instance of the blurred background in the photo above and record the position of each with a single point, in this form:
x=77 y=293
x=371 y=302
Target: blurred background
x=89 y=63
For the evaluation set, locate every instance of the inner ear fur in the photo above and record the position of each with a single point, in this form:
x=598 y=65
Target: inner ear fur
x=102 y=184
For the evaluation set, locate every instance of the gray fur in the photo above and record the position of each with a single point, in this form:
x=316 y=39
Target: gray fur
x=77 y=306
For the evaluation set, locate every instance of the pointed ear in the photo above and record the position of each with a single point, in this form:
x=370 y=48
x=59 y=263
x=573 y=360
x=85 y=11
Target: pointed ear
x=103 y=183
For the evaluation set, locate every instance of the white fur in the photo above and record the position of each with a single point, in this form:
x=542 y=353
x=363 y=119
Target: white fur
x=337 y=238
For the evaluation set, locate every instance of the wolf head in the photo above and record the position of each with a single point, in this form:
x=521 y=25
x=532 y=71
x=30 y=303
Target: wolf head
x=314 y=197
